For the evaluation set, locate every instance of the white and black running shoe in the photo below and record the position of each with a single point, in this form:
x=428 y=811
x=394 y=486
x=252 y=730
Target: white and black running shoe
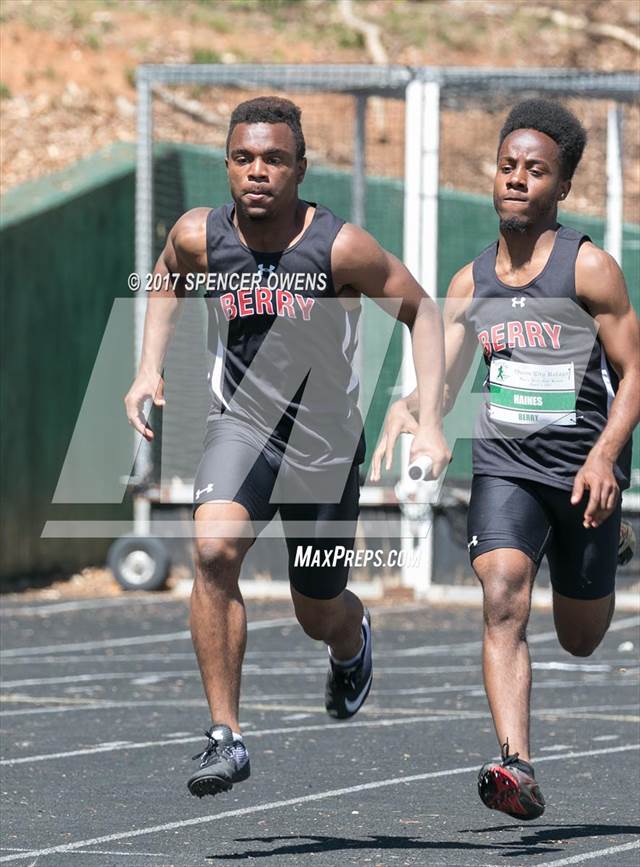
x=348 y=687
x=224 y=762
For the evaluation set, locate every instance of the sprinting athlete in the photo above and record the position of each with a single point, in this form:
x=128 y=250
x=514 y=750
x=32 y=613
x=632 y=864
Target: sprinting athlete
x=283 y=279
x=552 y=445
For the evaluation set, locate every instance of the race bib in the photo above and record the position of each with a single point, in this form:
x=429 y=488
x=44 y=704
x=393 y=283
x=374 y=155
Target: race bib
x=539 y=394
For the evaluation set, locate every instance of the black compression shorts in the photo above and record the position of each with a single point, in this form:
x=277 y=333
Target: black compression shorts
x=237 y=467
x=539 y=519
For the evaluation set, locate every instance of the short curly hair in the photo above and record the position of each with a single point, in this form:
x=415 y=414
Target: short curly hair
x=270 y=109
x=553 y=120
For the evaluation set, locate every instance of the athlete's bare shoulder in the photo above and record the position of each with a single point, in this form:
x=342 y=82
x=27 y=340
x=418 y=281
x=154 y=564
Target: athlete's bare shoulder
x=354 y=247
x=599 y=279
x=459 y=295
x=189 y=233
x=591 y=257
x=462 y=285
x=358 y=262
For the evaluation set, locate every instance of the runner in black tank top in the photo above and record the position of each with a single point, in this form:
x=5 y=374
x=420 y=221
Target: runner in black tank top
x=283 y=280
x=271 y=338
x=552 y=445
x=549 y=383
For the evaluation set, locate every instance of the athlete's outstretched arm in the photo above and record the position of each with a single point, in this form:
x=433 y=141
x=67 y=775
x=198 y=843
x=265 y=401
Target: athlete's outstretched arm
x=459 y=349
x=184 y=252
x=360 y=263
x=601 y=287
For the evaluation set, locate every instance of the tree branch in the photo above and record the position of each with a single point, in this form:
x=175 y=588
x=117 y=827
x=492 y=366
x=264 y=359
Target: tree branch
x=593 y=28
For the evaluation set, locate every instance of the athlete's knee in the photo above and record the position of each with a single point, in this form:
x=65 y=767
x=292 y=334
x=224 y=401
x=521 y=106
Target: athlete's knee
x=581 y=624
x=219 y=558
x=506 y=603
x=579 y=644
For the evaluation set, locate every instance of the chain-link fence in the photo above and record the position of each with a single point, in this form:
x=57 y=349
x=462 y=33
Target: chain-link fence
x=407 y=153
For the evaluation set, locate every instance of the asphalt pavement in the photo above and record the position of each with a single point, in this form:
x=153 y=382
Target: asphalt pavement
x=103 y=708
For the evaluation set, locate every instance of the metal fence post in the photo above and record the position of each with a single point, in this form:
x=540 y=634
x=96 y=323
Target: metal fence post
x=359 y=177
x=615 y=184
x=422 y=137
x=144 y=236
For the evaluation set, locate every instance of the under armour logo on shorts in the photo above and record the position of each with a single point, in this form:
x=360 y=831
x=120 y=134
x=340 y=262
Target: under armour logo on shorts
x=472 y=543
x=518 y=302
x=206 y=490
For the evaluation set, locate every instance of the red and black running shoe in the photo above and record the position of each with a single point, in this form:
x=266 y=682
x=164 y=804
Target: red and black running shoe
x=510 y=786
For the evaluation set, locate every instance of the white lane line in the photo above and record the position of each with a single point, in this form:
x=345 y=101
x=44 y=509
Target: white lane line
x=88 y=678
x=142 y=677
x=538 y=638
x=82 y=659
x=183 y=635
x=83 y=605
x=469 y=690
x=151 y=657
x=616 y=626
x=574 y=666
x=145 y=599
x=431 y=715
x=436 y=649
x=304 y=657
x=291 y=802
x=93 y=852
x=318 y=665
x=314 y=666
x=103 y=704
x=589 y=856
x=125 y=854
x=629 y=662
x=473 y=690
x=367 y=842
x=124 y=745
x=98 y=704
x=287 y=671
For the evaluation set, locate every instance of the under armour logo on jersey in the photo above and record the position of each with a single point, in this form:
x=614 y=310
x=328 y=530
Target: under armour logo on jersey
x=206 y=490
x=262 y=268
x=472 y=543
x=518 y=302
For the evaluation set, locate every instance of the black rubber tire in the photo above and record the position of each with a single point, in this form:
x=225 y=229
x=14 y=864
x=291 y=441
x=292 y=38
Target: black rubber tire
x=139 y=563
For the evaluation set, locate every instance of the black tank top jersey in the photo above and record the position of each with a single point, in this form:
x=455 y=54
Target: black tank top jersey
x=282 y=343
x=548 y=385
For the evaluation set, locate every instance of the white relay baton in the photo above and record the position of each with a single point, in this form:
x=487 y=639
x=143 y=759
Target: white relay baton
x=420 y=469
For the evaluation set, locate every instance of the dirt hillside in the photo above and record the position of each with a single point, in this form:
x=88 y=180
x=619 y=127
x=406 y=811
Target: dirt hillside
x=67 y=73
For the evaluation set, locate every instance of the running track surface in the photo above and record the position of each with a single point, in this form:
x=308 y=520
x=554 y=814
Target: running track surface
x=103 y=707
